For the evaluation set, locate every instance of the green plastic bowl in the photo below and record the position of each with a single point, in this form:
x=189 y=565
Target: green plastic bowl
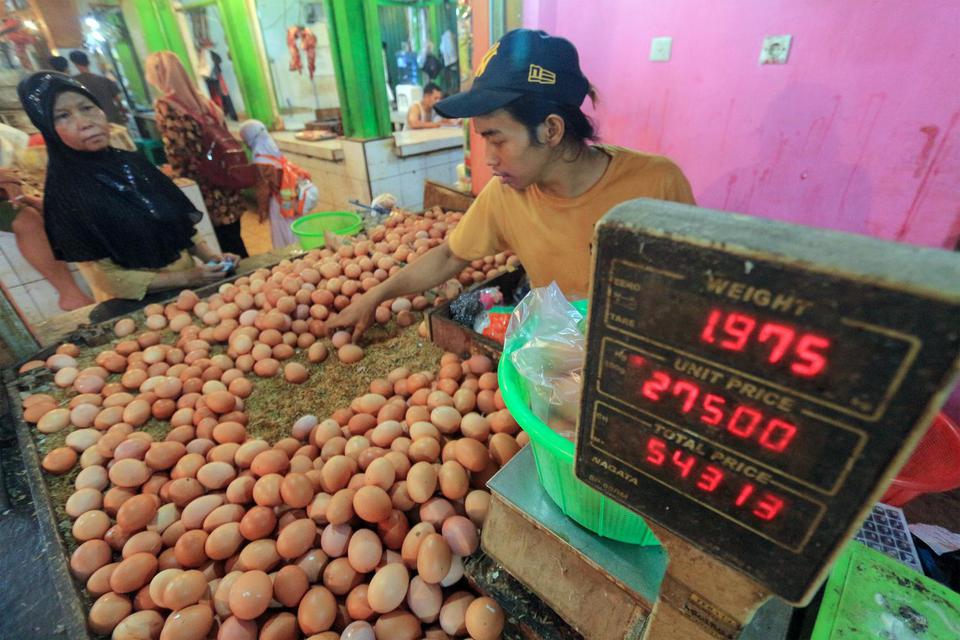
x=554 y=458
x=310 y=229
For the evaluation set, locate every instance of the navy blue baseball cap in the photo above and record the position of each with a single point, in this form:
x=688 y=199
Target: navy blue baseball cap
x=523 y=62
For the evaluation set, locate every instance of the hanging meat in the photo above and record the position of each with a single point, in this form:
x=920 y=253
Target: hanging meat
x=309 y=42
x=295 y=63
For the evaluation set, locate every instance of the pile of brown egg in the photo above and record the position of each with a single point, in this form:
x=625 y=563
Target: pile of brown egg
x=353 y=528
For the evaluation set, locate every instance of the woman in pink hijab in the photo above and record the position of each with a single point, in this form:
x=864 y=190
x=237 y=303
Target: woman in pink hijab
x=182 y=112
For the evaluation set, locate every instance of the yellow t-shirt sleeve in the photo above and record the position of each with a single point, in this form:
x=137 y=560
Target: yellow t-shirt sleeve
x=478 y=233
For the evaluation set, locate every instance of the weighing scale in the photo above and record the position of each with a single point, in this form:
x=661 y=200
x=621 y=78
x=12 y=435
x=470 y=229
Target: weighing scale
x=751 y=387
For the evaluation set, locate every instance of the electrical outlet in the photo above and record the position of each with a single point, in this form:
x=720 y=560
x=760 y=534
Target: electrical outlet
x=660 y=49
x=775 y=49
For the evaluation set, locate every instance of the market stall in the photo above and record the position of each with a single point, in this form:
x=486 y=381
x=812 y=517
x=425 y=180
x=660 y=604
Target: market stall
x=216 y=461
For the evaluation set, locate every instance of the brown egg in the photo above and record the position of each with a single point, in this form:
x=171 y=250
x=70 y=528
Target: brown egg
x=140 y=625
x=296 y=538
x=137 y=512
x=289 y=585
x=250 y=594
x=216 y=475
x=184 y=589
x=221 y=401
x=422 y=481
x=317 y=352
x=258 y=523
x=190 y=623
x=223 y=541
x=54 y=420
x=453 y=613
x=424 y=599
x=133 y=572
x=388 y=588
x=484 y=619
x=335 y=539
x=59 y=460
x=398 y=625
x=350 y=354
x=129 y=473
x=83 y=500
x=107 y=612
x=472 y=454
x=502 y=448
x=295 y=373
x=91 y=525
x=454 y=480
x=434 y=558
x=317 y=610
x=124 y=327
x=259 y=554
x=380 y=473
x=266 y=368
x=364 y=551
x=372 y=504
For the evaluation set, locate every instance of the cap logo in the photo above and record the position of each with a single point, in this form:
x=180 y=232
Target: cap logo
x=540 y=75
x=485 y=60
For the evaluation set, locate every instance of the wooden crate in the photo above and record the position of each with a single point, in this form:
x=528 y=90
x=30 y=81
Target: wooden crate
x=448 y=334
x=445 y=197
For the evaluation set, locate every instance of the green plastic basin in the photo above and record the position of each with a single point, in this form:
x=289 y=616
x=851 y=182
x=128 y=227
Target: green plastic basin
x=310 y=229
x=554 y=457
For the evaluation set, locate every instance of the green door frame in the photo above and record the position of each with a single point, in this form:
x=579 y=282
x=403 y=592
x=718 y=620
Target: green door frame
x=161 y=29
x=354 y=30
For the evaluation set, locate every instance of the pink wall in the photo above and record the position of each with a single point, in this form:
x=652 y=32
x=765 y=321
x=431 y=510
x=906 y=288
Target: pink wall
x=860 y=131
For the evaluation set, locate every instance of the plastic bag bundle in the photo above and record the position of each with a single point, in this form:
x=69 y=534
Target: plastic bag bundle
x=550 y=343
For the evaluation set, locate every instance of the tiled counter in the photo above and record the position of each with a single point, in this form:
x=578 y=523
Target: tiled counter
x=350 y=169
x=35 y=297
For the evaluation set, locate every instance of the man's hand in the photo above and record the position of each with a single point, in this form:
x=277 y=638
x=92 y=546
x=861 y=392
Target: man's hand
x=358 y=314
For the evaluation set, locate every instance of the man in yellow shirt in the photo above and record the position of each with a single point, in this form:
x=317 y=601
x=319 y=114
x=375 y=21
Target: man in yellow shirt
x=551 y=186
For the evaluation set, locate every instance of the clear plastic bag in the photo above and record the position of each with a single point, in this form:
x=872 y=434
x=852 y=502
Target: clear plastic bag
x=548 y=333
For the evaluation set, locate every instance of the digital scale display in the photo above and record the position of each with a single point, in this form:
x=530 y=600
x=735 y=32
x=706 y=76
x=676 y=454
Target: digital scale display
x=750 y=384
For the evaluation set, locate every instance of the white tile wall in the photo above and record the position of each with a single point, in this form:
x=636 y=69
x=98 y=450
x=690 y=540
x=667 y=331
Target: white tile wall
x=20 y=297
x=8 y=243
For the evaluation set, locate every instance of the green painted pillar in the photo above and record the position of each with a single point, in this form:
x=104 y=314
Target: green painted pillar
x=161 y=30
x=251 y=74
x=358 y=65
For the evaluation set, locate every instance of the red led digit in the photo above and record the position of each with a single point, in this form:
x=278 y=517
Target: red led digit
x=744 y=494
x=691 y=390
x=711 y=406
x=782 y=335
x=740 y=327
x=710 y=478
x=768 y=507
x=685 y=465
x=707 y=334
x=744 y=421
x=653 y=387
x=807 y=351
x=777 y=435
x=656 y=451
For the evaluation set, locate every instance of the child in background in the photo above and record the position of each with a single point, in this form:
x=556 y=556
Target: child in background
x=284 y=191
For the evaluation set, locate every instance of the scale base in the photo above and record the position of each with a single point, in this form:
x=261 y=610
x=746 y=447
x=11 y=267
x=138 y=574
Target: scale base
x=608 y=590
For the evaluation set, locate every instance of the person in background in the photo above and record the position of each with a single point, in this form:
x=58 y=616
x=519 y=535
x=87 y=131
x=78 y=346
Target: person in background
x=270 y=162
x=429 y=62
x=59 y=63
x=421 y=114
x=550 y=185
x=182 y=113
x=128 y=227
x=104 y=89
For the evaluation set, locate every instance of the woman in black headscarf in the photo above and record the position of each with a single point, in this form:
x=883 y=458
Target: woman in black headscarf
x=128 y=227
